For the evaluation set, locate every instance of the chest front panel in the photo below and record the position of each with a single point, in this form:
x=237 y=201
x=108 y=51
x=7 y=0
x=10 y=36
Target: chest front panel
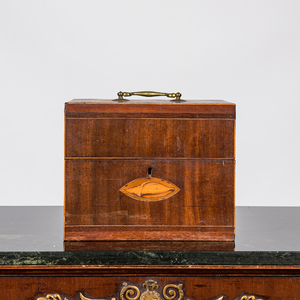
x=166 y=173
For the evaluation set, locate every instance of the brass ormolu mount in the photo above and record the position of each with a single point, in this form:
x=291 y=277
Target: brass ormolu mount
x=132 y=292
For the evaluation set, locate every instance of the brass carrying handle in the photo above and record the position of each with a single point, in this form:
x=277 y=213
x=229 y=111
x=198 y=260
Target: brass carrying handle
x=149 y=94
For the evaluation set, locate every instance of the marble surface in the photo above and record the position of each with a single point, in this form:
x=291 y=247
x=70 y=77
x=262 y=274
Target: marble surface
x=150 y=258
x=264 y=235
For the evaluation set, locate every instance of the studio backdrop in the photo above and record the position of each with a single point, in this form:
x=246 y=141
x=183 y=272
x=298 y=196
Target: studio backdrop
x=246 y=52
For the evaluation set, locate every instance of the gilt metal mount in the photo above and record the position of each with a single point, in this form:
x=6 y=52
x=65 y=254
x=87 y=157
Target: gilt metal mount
x=148 y=292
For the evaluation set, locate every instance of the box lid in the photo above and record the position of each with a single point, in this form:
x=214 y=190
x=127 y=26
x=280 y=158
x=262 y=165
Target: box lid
x=144 y=107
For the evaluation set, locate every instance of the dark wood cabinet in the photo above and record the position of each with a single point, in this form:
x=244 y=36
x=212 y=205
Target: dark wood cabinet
x=197 y=282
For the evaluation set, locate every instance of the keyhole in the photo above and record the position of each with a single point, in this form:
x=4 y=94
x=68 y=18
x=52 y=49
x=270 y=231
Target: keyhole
x=149 y=172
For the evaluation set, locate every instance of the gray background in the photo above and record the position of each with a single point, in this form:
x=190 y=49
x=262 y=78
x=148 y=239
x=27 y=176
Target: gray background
x=247 y=52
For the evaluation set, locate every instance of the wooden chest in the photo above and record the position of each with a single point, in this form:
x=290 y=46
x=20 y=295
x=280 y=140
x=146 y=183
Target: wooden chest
x=149 y=172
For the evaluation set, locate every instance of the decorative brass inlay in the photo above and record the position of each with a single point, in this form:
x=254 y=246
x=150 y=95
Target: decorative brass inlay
x=58 y=297
x=129 y=290
x=150 y=295
x=51 y=297
x=249 y=297
x=85 y=298
x=132 y=292
x=150 y=189
x=169 y=291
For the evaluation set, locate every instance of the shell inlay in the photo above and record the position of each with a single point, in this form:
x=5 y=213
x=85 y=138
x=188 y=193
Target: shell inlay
x=150 y=189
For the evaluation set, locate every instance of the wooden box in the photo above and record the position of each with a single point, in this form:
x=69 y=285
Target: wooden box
x=149 y=172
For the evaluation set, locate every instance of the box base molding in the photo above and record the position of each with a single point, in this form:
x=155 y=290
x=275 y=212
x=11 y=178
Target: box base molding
x=149 y=246
x=149 y=233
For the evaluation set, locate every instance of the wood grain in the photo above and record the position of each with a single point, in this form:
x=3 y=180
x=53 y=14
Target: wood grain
x=167 y=234
x=109 y=144
x=199 y=283
x=206 y=194
x=206 y=198
x=148 y=246
x=156 y=115
x=156 y=106
x=150 y=138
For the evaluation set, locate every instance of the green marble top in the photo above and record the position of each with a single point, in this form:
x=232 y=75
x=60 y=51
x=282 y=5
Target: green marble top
x=150 y=258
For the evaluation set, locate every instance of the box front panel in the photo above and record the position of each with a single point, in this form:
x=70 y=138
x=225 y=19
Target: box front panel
x=150 y=138
x=205 y=199
x=109 y=195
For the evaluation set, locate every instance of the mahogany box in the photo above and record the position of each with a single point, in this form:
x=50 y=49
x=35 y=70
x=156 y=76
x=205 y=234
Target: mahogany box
x=152 y=173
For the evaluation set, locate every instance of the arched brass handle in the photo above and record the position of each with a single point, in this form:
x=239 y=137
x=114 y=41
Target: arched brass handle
x=149 y=94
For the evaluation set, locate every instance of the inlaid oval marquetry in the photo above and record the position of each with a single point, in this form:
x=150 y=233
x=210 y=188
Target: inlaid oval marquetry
x=150 y=189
